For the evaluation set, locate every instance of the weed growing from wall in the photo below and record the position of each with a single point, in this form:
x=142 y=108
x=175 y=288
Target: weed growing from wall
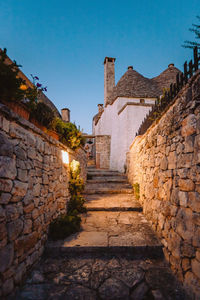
x=70 y=223
x=136 y=188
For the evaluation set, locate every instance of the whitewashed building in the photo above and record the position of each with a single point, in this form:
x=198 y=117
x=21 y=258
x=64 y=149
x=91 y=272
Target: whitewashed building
x=125 y=106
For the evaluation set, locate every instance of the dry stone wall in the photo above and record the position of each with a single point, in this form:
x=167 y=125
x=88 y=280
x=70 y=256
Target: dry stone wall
x=102 y=144
x=165 y=161
x=33 y=192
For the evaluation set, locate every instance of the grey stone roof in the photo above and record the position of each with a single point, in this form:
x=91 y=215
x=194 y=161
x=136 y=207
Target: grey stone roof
x=133 y=84
x=166 y=77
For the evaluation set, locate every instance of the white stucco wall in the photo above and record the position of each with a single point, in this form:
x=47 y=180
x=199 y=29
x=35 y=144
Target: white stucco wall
x=121 y=125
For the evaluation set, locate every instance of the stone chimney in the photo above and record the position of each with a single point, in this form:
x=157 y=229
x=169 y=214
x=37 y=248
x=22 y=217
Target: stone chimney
x=109 y=77
x=100 y=108
x=65 y=112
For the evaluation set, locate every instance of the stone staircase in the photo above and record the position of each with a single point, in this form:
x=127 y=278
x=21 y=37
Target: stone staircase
x=114 y=221
x=116 y=255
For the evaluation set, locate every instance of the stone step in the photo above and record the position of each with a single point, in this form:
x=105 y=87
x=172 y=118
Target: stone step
x=108 y=179
x=112 y=202
x=110 y=232
x=108 y=191
x=108 y=185
x=104 y=173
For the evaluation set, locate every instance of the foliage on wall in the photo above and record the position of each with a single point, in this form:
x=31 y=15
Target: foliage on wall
x=14 y=89
x=70 y=223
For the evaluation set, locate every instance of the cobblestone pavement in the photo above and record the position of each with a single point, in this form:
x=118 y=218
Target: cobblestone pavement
x=116 y=255
x=105 y=277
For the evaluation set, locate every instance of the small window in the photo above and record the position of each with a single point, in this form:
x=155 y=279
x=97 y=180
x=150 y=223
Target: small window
x=142 y=101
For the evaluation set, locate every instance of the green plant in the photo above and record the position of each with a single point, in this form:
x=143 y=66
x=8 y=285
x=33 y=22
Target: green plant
x=136 y=188
x=11 y=86
x=64 y=226
x=42 y=113
x=68 y=133
x=70 y=223
x=76 y=204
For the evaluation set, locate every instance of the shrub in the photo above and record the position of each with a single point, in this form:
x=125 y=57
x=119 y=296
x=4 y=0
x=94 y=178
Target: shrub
x=70 y=223
x=10 y=83
x=43 y=114
x=64 y=226
x=68 y=133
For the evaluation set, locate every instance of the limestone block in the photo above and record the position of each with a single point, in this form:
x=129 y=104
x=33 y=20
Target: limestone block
x=161 y=140
x=29 y=208
x=3 y=231
x=192 y=282
x=196 y=267
x=31 y=153
x=194 y=201
x=186 y=185
x=198 y=255
x=196 y=218
x=164 y=163
x=22 y=175
x=5 y=124
x=179 y=148
x=18 y=131
x=12 y=213
x=185 y=160
x=27 y=226
x=20 y=153
x=182 y=173
x=36 y=190
x=172 y=158
x=35 y=213
x=6 y=146
x=188 y=125
x=20 y=188
x=39 y=144
x=20 y=164
x=5 y=198
x=25 y=243
x=189 y=144
x=6 y=257
x=5 y=185
x=2 y=213
x=28 y=197
x=31 y=139
x=185 y=228
x=187 y=250
x=196 y=238
x=14 y=229
x=186 y=265
x=183 y=198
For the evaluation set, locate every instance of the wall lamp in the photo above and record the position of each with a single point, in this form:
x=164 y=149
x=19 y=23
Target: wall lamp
x=65 y=157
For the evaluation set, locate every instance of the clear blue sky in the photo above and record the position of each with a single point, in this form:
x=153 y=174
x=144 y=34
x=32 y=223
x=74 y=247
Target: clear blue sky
x=64 y=43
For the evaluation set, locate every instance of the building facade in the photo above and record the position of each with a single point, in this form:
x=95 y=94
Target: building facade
x=125 y=107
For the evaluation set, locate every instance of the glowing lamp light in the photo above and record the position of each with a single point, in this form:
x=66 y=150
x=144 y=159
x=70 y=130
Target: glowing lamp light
x=23 y=87
x=65 y=157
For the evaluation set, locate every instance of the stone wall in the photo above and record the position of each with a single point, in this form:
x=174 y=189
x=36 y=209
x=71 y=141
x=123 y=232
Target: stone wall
x=33 y=192
x=102 y=144
x=165 y=161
